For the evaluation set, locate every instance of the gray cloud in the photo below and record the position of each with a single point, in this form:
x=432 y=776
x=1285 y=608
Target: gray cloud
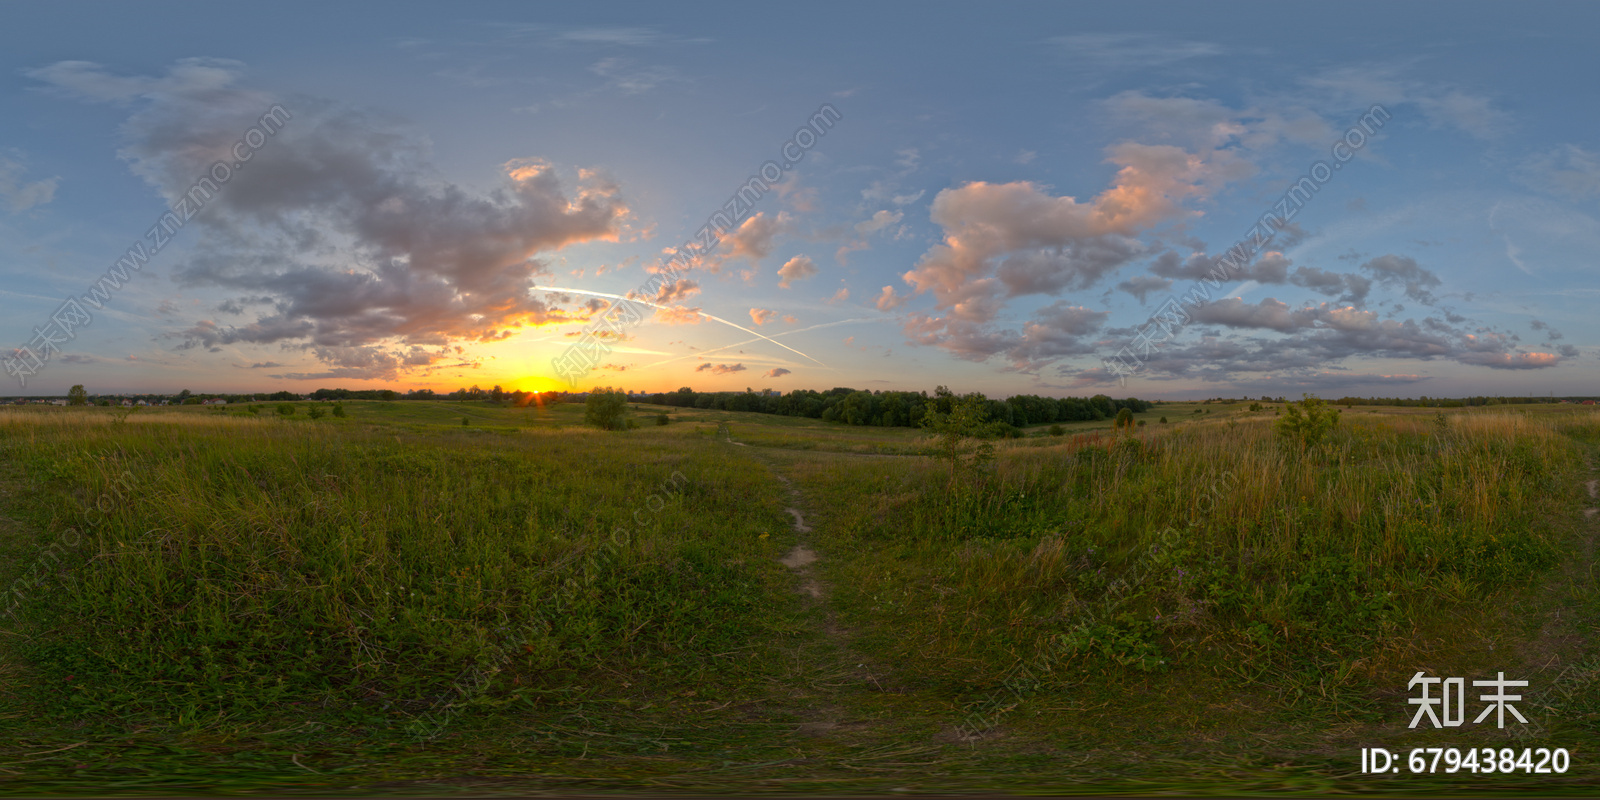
x=1140 y=286
x=1404 y=272
x=341 y=224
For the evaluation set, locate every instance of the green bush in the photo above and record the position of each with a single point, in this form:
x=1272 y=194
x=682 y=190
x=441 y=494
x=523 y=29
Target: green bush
x=606 y=409
x=1056 y=430
x=662 y=418
x=286 y=409
x=338 y=409
x=316 y=412
x=1307 y=422
x=1124 y=419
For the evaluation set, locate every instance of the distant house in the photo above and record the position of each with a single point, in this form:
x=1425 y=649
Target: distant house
x=58 y=402
x=141 y=402
x=1588 y=402
x=215 y=401
x=127 y=403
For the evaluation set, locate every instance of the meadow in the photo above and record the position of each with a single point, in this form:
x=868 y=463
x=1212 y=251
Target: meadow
x=458 y=596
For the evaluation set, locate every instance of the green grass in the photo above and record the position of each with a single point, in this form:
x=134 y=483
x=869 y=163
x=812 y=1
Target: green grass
x=257 y=603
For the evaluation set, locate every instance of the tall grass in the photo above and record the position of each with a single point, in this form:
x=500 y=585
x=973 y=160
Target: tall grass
x=1143 y=547
x=256 y=565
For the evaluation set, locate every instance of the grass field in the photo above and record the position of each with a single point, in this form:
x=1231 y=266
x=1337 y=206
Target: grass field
x=439 y=596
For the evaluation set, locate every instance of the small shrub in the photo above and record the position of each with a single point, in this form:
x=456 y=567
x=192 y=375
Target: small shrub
x=338 y=409
x=1163 y=420
x=1307 y=422
x=662 y=418
x=316 y=412
x=1057 y=430
x=465 y=422
x=1124 y=419
x=286 y=409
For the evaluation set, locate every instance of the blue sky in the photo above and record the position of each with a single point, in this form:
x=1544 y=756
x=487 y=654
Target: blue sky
x=1011 y=192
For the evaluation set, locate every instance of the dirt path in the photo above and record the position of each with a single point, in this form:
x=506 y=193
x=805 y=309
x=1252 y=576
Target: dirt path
x=833 y=681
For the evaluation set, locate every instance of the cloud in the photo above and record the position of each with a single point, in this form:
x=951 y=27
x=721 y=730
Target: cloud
x=1055 y=331
x=752 y=241
x=622 y=74
x=1442 y=105
x=1568 y=170
x=776 y=372
x=840 y=296
x=340 y=218
x=1403 y=271
x=1209 y=126
x=762 y=316
x=1348 y=287
x=888 y=300
x=622 y=36
x=676 y=291
x=795 y=269
x=20 y=195
x=1004 y=241
x=1325 y=333
x=1014 y=239
x=1122 y=51
x=678 y=315
x=186 y=78
x=878 y=222
x=1142 y=285
x=719 y=369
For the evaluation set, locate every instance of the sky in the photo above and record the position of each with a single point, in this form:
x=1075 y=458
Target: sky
x=1137 y=199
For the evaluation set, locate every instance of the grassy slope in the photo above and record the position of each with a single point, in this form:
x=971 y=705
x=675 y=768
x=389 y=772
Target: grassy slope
x=928 y=662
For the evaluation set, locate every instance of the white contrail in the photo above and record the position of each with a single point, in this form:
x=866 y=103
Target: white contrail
x=748 y=341
x=669 y=308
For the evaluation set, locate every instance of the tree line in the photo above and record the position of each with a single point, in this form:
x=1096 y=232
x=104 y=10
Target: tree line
x=894 y=409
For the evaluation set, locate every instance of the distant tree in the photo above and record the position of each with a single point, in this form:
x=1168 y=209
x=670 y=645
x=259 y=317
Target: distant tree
x=183 y=395
x=76 y=396
x=316 y=412
x=606 y=409
x=1124 y=420
x=1163 y=420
